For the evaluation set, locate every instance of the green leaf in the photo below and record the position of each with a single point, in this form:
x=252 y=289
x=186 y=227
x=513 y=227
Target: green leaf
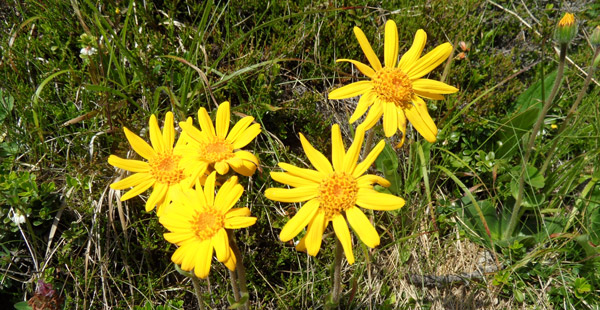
x=22 y=305
x=387 y=163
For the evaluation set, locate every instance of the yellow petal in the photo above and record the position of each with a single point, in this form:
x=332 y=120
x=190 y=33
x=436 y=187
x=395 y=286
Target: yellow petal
x=418 y=116
x=308 y=174
x=230 y=263
x=367 y=181
x=374 y=200
x=401 y=126
x=316 y=158
x=223 y=115
x=297 y=223
x=178 y=238
x=139 y=145
x=222 y=167
x=221 y=244
x=338 y=150
x=237 y=212
x=375 y=113
x=239 y=222
x=226 y=199
x=203 y=259
x=390 y=44
x=239 y=128
x=169 y=131
x=314 y=235
x=433 y=86
x=192 y=132
x=367 y=49
x=430 y=61
x=362 y=226
x=131 y=181
x=158 y=195
x=369 y=160
x=156 y=135
x=298 y=194
x=390 y=119
x=351 y=90
x=209 y=189
x=246 y=169
x=138 y=189
x=247 y=136
x=301 y=246
x=206 y=123
x=351 y=156
x=414 y=52
x=289 y=179
x=365 y=101
x=365 y=69
x=129 y=164
x=428 y=95
x=177 y=257
x=343 y=234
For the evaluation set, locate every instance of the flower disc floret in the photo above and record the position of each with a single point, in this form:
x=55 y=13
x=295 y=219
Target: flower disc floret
x=164 y=168
x=206 y=223
x=393 y=85
x=215 y=150
x=337 y=193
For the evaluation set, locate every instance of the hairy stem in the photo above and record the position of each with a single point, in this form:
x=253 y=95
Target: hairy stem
x=198 y=291
x=336 y=285
x=239 y=268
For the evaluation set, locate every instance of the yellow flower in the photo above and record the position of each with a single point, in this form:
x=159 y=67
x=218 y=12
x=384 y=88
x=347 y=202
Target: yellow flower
x=332 y=194
x=395 y=90
x=566 y=29
x=198 y=224
x=217 y=148
x=163 y=169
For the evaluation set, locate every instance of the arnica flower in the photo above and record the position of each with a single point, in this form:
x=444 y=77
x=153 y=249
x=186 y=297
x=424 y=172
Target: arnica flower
x=566 y=29
x=218 y=148
x=395 y=90
x=332 y=194
x=198 y=221
x=163 y=169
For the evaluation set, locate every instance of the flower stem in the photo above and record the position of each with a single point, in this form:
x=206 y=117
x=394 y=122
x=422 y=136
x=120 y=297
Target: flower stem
x=571 y=112
x=240 y=270
x=336 y=285
x=198 y=290
x=234 y=285
x=516 y=212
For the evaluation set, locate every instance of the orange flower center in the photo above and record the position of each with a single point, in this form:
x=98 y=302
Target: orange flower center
x=206 y=223
x=164 y=168
x=393 y=85
x=215 y=150
x=337 y=193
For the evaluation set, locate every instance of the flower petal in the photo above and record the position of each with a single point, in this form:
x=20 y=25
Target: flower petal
x=428 y=95
x=390 y=119
x=351 y=90
x=129 y=164
x=203 y=259
x=138 y=189
x=365 y=69
x=433 y=86
x=308 y=174
x=230 y=263
x=316 y=158
x=365 y=101
x=390 y=47
x=367 y=49
x=247 y=136
x=239 y=222
x=223 y=115
x=401 y=126
x=222 y=167
x=179 y=237
x=338 y=150
x=298 y=194
x=209 y=189
x=418 y=116
x=353 y=153
x=343 y=234
x=221 y=243
x=139 y=145
x=237 y=212
x=374 y=200
x=297 y=223
x=158 y=195
x=168 y=133
x=362 y=226
x=314 y=235
x=290 y=179
x=155 y=135
x=414 y=52
x=206 y=123
x=369 y=160
x=131 y=181
x=226 y=199
x=375 y=113
x=367 y=181
x=239 y=128
x=430 y=61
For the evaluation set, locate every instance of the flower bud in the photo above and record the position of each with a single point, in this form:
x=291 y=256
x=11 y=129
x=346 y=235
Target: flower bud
x=566 y=29
x=595 y=38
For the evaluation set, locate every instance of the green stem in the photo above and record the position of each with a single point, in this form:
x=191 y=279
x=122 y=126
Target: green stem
x=239 y=267
x=234 y=285
x=571 y=112
x=516 y=212
x=336 y=285
x=198 y=291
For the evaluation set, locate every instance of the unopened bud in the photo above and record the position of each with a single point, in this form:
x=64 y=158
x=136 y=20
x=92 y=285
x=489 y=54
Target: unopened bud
x=595 y=38
x=566 y=29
